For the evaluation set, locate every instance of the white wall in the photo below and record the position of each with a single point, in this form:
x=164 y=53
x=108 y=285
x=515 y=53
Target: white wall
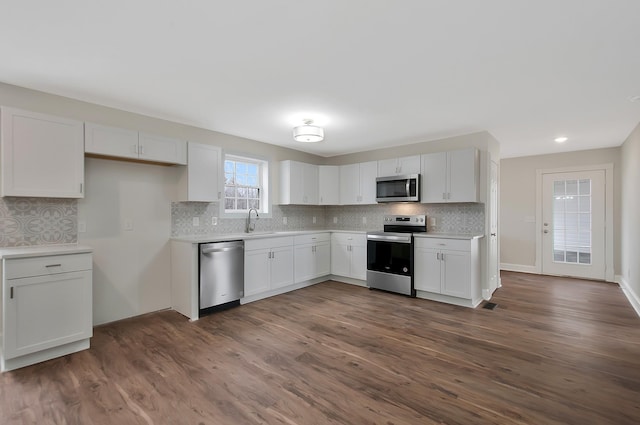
x=630 y=217
x=518 y=201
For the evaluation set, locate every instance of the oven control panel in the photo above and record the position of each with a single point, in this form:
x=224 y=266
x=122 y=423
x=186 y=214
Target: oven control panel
x=405 y=220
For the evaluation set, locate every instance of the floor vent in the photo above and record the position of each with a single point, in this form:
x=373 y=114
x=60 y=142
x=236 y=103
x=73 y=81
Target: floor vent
x=490 y=306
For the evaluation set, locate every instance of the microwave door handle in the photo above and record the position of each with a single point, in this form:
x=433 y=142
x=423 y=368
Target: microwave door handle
x=407 y=186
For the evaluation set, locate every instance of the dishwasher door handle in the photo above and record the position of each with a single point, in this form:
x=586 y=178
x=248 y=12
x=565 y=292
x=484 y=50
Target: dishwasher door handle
x=210 y=250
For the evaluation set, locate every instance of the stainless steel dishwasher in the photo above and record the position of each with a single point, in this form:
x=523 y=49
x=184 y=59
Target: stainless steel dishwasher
x=221 y=275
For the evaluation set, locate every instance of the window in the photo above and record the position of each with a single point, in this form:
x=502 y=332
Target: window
x=245 y=184
x=572 y=221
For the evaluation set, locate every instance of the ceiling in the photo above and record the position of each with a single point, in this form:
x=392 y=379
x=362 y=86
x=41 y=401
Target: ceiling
x=373 y=73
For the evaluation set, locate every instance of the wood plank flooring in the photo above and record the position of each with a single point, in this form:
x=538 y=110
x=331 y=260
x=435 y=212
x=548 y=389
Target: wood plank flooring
x=554 y=351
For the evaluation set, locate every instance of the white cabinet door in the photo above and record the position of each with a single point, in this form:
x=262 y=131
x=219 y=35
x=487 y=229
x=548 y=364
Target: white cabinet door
x=162 y=149
x=409 y=165
x=281 y=266
x=298 y=183
x=329 y=184
x=200 y=179
x=257 y=271
x=41 y=155
x=322 y=259
x=456 y=273
x=304 y=266
x=434 y=177
x=43 y=312
x=349 y=184
x=368 y=174
x=388 y=167
x=358 y=262
x=463 y=176
x=427 y=270
x=110 y=141
x=310 y=181
x=340 y=259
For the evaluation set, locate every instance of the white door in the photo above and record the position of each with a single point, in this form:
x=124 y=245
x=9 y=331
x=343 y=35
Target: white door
x=256 y=271
x=359 y=262
x=427 y=270
x=340 y=259
x=368 y=174
x=434 y=177
x=304 y=267
x=323 y=259
x=493 y=230
x=349 y=184
x=573 y=227
x=456 y=273
x=329 y=184
x=281 y=266
x=462 y=176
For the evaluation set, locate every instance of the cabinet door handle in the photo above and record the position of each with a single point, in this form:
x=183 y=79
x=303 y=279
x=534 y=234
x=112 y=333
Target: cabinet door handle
x=438 y=256
x=53 y=265
x=442 y=256
x=141 y=149
x=80 y=187
x=134 y=148
x=11 y=293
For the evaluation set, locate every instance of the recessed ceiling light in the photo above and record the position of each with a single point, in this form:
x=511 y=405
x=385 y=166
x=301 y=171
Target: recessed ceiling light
x=560 y=139
x=634 y=98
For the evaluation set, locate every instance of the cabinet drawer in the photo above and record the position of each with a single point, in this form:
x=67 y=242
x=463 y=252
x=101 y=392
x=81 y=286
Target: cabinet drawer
x=312 y=238
x=451 y=244
x=51 y=264
x=353 y=239
x=265 y=243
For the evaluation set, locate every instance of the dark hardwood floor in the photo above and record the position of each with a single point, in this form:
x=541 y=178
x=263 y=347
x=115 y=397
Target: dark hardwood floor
x=554 y=351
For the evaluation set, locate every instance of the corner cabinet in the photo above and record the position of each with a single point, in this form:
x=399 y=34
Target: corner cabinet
x=113 y=142
x=46 y=307
x=448 y=270
x=452 y=176
x=312 y=256
x=200 y=179
x=40 y=155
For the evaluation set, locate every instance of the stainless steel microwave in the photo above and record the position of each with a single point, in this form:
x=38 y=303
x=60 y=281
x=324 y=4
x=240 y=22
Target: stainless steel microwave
x=404 y=188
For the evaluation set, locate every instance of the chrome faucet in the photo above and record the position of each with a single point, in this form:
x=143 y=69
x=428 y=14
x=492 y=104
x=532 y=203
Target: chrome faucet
x=251 y=228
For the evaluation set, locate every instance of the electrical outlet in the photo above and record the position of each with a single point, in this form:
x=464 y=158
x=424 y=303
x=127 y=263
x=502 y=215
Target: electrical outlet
x=433 y=222
x=82 y=226
x=364 y=220
x=284 y=220
x=128 y=224
x=196 y=221
x=214 y=221
x=314 y=220
x=335 y=220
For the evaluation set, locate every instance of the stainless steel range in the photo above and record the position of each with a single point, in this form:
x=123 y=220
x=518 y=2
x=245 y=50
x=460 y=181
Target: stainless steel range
x=390 y=253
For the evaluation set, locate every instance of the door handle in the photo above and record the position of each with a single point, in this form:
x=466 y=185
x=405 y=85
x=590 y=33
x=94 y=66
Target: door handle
x=545 y=231
x=493 y=234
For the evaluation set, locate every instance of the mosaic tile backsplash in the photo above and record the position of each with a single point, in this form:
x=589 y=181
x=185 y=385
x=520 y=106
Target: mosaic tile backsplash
x=38 y=221
x=450 y=218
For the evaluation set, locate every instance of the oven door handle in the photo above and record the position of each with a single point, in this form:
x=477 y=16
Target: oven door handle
x=400 y=239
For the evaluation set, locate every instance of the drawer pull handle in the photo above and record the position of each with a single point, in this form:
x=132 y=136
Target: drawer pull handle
x=11 y=296
x=53 y=265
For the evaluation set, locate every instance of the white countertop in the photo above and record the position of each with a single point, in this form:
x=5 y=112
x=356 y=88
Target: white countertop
x=41 y=250
x=254 y=235
x=466 y=236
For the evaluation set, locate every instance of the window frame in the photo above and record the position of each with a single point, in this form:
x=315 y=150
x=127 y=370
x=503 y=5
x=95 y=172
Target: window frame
x=264 y=185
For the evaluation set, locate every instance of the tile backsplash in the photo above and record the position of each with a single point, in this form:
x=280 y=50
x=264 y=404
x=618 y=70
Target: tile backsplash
x=450 y=218
x=38 y=221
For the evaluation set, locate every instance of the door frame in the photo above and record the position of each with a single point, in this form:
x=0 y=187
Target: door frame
x=609 y=271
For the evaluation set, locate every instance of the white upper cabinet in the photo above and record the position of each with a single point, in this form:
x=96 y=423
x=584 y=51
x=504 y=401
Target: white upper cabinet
x=41 y=155
x=358 y=183
x=121 y=143
x=399 y=166
x=200 y=179
x=451 y=176
x=298 y=183
x=329 y=184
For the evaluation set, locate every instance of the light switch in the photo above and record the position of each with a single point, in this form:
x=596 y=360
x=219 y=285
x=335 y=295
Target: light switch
x=314 y=220
x=82 y=226
x=284 y=220
x=335 y=220
x=214 y=221
x=433 y=221
x=364 y=220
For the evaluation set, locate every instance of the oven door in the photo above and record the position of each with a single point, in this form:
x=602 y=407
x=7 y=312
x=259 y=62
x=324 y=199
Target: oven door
x=390 y=254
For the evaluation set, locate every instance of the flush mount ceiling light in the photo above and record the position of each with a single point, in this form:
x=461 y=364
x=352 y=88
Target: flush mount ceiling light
x=560 y=139
x=308 y=133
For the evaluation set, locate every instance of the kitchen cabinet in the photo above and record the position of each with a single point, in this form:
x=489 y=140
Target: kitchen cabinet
x=349 y=255
x=399 y=166
x=40 y=155
x=46 y=307
x=450 y=267
x=329 y=184
x=268 y=264
x=451 y=176
x=358 y=183
x=200 y=179
x=312 y=256
x=298 y=183
x=101 y=140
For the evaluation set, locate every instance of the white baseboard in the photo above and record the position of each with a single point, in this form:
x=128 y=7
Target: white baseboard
x=633 y=298
x=518 y=268
x=348 y=280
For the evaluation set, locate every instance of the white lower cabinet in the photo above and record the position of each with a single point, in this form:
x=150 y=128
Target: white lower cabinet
x=349 y=255
x=312 y=257
x=268 y=264
x=448 y=270
x=46 y=308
